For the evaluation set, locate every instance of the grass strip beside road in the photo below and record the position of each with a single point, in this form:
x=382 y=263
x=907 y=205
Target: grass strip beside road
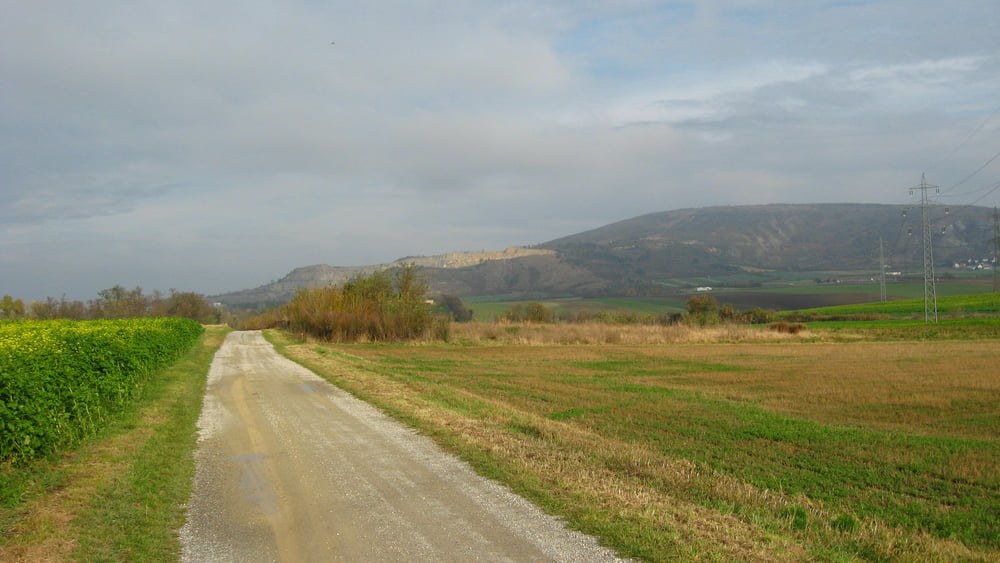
x=119 y=496
x=809 y=451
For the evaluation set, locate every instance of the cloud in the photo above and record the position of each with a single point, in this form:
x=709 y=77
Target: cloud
x=197 y=146
x=712 y=97
x=919 y=72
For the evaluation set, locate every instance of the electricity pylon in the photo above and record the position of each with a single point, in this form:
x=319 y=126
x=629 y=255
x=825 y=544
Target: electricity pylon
x=881 y=271
x=930 y=289
x=996 y=250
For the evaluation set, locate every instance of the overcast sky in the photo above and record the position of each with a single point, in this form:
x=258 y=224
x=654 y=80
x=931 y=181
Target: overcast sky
x=212 y=146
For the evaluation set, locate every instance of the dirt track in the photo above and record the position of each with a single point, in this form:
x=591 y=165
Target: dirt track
x=290 y=468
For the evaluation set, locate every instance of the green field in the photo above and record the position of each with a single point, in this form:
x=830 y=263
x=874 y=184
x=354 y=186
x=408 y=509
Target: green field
x=894 y=290
x=867 y=450
x=489 y=310
x=947 y=305
x=780 y=297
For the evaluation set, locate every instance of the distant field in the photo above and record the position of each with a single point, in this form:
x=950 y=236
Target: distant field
x=807 y=295
x=652 y=305
x=864 y=450
x=488 y=311
x=793 y=296
x=948 y=305
x=894 y=290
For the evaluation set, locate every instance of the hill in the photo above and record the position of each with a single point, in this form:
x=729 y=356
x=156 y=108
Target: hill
x=729 y=244
x=821 y=237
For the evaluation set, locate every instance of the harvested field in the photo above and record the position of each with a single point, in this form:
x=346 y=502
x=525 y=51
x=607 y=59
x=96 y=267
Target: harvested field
x=783 y=450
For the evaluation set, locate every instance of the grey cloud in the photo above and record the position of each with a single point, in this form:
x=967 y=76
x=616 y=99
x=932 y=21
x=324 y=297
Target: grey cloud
x=193 y=136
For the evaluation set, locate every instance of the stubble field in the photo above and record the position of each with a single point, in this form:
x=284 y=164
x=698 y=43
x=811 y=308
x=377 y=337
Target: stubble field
x=749 y=450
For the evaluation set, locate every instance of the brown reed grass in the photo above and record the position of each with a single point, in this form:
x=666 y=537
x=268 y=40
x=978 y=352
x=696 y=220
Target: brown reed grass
x=534 y=334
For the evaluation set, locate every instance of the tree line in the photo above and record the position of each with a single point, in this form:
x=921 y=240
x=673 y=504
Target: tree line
x=700 y=310
x=115 y=303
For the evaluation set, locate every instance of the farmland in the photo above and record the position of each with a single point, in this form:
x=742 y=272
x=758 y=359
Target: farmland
x=61 y=380
x=948 y=305
x=785 y=296
x=812 y=448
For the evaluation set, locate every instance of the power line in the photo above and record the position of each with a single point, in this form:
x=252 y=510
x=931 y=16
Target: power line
x=982 y=197
x=970 y=193
x=978 y=170
x=979 y=127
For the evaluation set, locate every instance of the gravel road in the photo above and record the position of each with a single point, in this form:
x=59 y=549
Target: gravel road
x=291 y=468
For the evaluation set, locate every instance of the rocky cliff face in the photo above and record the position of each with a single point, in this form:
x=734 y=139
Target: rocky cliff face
x=467 y=259
x=321 y=275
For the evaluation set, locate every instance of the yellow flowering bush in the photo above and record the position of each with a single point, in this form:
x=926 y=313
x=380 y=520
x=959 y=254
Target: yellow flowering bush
x=60 y=380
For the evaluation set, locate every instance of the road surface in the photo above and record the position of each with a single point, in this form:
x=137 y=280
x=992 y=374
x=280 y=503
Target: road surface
x=291 y=468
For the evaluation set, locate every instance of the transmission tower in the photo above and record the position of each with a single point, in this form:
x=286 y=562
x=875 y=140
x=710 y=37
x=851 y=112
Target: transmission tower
x=881 y=270
x=930 y=289
x=996 y=250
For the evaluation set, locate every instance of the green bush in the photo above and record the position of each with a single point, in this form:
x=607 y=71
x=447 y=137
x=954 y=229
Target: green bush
x=379 y=307
x=703 y=310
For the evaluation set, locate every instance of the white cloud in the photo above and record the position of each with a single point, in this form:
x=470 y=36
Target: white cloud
x=919 y=72
x=711 y=97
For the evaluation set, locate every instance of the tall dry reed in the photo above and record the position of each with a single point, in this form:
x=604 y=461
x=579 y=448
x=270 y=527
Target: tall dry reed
x=599 y=333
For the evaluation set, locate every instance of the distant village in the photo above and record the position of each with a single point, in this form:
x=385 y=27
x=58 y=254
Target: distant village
x=977 y=264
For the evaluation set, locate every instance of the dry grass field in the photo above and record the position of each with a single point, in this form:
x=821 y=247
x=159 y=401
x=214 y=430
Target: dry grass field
x=600 y=333
x=715 y=446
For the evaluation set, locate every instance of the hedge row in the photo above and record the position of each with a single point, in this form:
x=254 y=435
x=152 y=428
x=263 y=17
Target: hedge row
x=61 y=380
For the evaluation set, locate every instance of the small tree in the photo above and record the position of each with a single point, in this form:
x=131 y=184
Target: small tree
x=758 y=315
x=11 y=308
x=703 y=310
x=538 y=313
x=189 y=305
x=459 y=312
x=119 y=303
x=43 y=310
x=62 y=309
x=515 y=313
x=410 y=316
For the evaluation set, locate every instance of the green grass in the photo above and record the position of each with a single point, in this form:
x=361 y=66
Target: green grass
x=896 y=290
x=958 y=305
x=909 y=329
x=798 y=457
x=136 y=515
x=489 y=310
